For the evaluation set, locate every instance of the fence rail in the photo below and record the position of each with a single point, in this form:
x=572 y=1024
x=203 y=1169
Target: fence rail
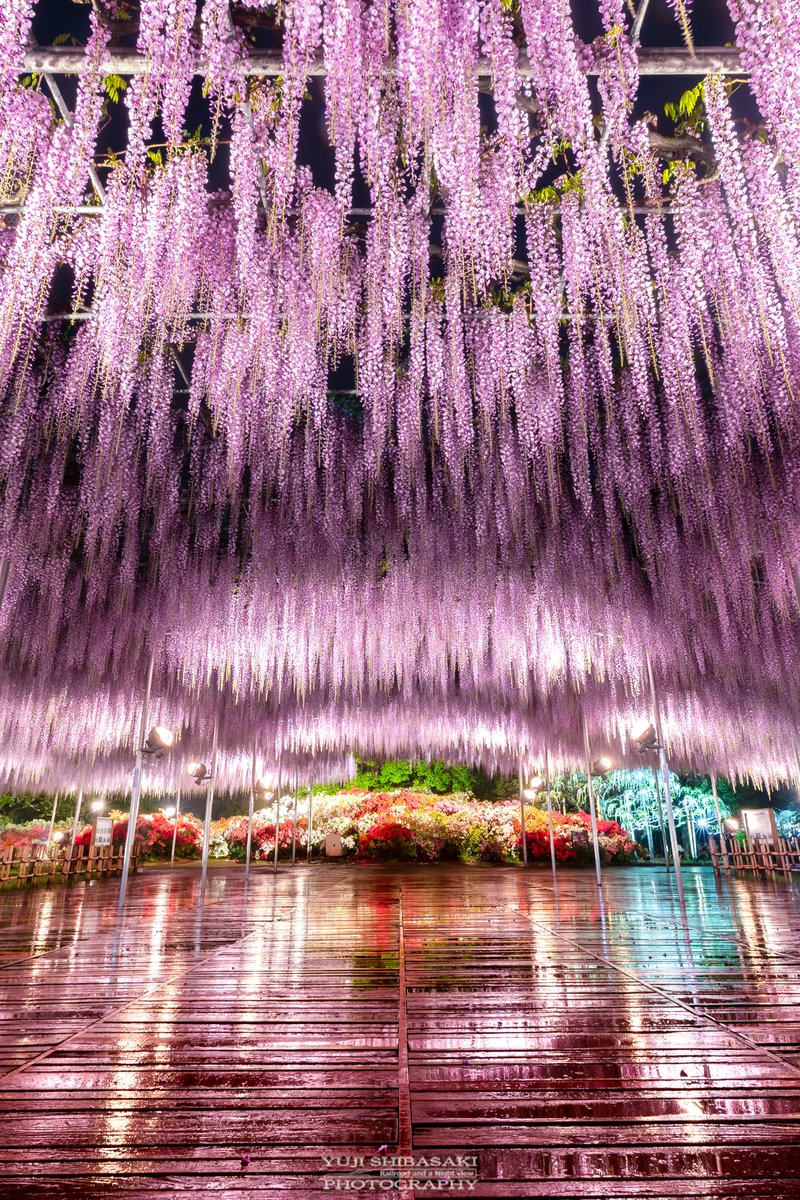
x=21 y=865
x=754 y=854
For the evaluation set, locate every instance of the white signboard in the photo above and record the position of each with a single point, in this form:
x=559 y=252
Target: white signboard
x=103 y=831
x=333 y=845
x=760 y=823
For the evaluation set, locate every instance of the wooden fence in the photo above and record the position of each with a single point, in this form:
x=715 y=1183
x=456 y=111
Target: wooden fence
x=20 y=865
x=754 y=854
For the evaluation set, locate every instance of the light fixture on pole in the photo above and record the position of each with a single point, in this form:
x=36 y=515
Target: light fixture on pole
x=199 y=772
x=602 y=764
x=158 y=741
x=644 y=736
x=535 y=785
x=98 y=806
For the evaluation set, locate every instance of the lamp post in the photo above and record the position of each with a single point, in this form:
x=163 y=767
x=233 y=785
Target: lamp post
x=662 y=758
x=250 y=806
x=277 y=815
x=522 y=813
x=78 y=804
x=592 y=808
x=209 y=805
x=716 y=801
x=310 y=816
x=175 y=827
x=136 y=783
x=550 y=813
x=52 y=820
x=294 y=816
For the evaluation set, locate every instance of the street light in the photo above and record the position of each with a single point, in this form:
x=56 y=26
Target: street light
x=158 y=741
x=534 y=787
x=644 y=737
x=199 y=772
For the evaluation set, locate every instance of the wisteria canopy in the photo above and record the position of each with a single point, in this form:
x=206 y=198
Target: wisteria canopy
x=416 y=444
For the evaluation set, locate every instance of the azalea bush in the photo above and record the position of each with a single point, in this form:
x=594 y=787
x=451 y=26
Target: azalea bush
x=397 y=826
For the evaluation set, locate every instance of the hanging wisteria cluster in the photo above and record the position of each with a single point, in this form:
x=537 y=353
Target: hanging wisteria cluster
x=427 y=460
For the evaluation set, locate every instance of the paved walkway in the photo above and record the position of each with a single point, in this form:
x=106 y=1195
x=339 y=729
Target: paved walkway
x=265 y=1043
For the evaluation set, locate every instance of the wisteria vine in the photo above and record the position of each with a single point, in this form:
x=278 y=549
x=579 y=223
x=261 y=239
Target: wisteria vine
x=429 y=473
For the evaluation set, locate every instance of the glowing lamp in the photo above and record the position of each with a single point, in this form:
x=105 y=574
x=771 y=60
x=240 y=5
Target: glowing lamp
x=158 y=740
x=199 y=772
x=644 y=737
x=98 y=806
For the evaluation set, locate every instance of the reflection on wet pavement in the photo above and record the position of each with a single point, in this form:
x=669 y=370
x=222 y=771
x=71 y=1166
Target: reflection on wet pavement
x=240 y=1045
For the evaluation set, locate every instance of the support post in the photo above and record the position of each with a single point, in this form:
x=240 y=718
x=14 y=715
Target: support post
x=662 y=758
x=175 y=827
x=522 y=813
x=294 y=816
x=277 y=816
x=661 y=825
x=52 y=821
x=310 y=817
x=78 y=804
x=550 y=813
x=592 y=807
x=250 y=808
x=136 y=784
x=209 y=805
x=716 y=802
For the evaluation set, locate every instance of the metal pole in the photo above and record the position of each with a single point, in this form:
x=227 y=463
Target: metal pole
x=136 y=784
x=310 y=816
x=250 y=819
x=52 y=821
x=550 y=812
x=294 y=816
x=209 y=805
x=277 y=815
x=716 y=801
x=522 y=813
x=662 y=758
x=78 y=804
x=592 y=808
x=175 y=829
x=664 y=842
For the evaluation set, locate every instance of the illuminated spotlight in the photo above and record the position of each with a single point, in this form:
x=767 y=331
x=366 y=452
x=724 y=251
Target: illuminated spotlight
x=644 y=737
x=731 y=824
x=158 y=740
x=602 y=764
x=169 y=812
x=702 y=822
x=534 y=787
x=58 y=837
x=98 y=806
x=263 y=789
x=199 y=772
